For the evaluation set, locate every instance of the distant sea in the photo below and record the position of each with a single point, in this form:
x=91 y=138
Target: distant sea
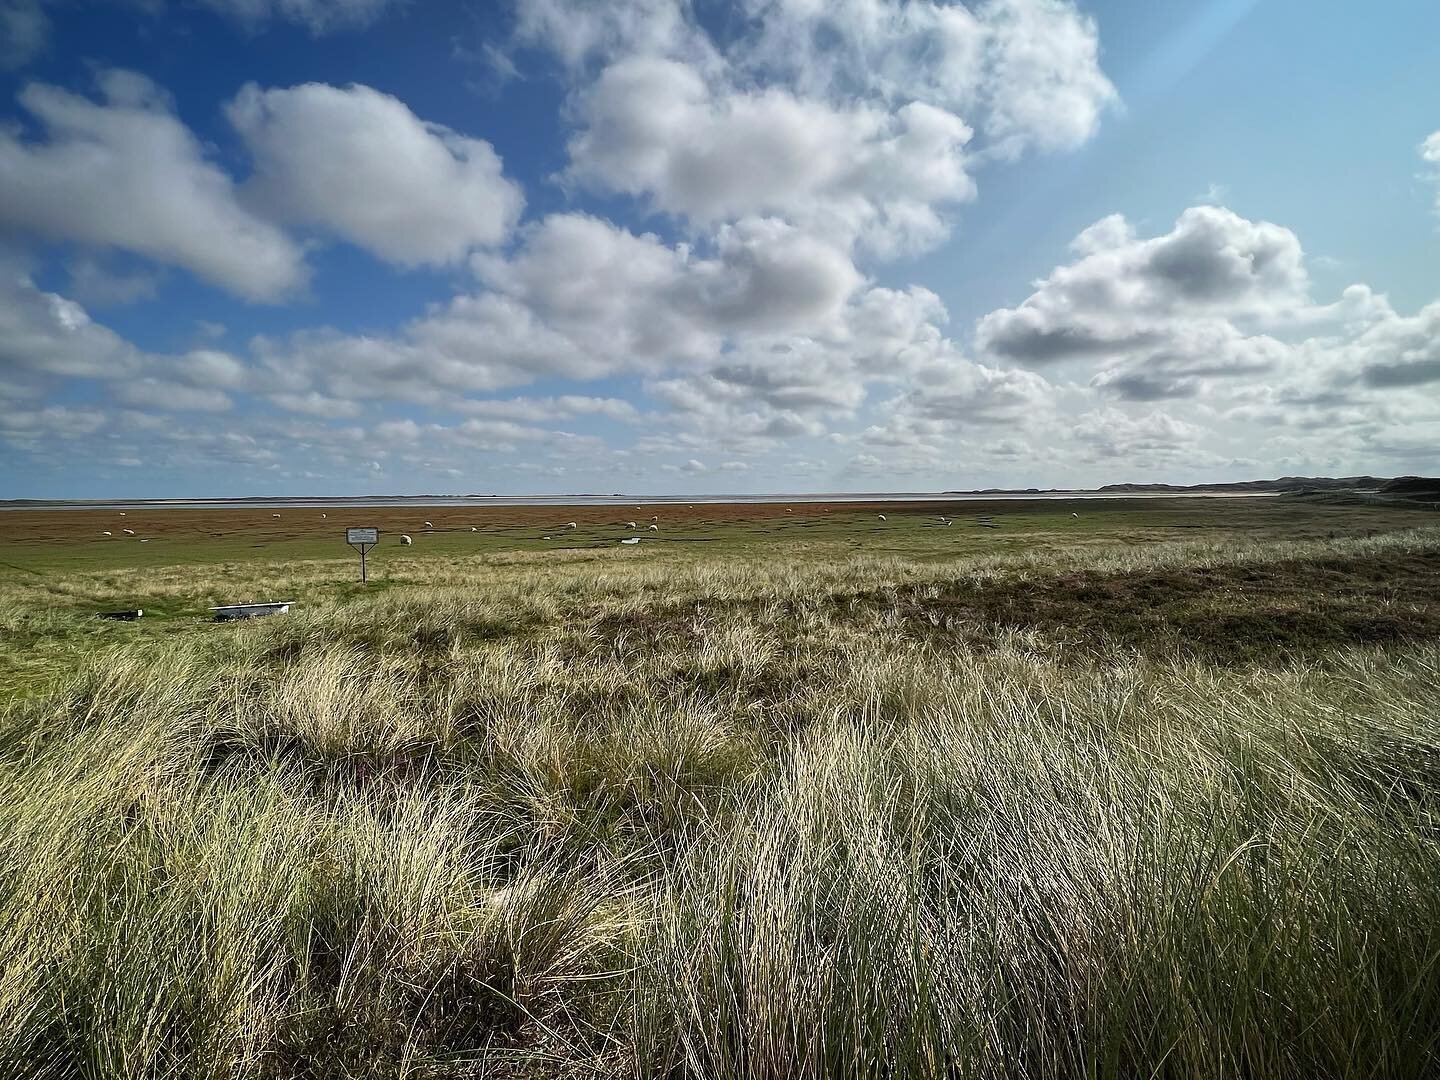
x=634 y=500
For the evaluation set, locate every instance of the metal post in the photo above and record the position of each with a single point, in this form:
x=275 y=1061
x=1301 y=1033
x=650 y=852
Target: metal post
x=362 y=540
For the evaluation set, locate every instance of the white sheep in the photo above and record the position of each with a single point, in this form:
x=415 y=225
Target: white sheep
x=1075 y=515
x=405 y=540
x=654 y=528
x=128 y=532
x=881 y=517
x=474 y=529
x=324 y=516
x=107 y=532
x=654 y=517
x=144 y=539
x=571 y=525
x=274 y=515
x=122 y=513
x=631 y=525
x=788 y=510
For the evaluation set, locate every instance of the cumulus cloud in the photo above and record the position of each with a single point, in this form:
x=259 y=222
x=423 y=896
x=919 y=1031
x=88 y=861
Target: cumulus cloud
x=1160 y=316
x=43 y=334
x=560 y=407
x=1142 y=440
x=45 y=337
x=1026 y=70
x=581 y=34
x=1397 y=352
x=651 y=127
x=582 y=299
x=360 y=164
x=1123 y=293
x=853 y=120
x=126 y=173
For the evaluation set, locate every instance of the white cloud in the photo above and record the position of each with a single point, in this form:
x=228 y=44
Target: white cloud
x=1123 y=294
x=314 y=403
x=1430 y=152
x=581 y=299
x=126 y=173
x=43 y=334
x=360 y=164
x=1027 y=70
x=148 y=392
x=851 y=120
x=24 y=32
x=38 y=427
x=653 y=128
x=1160 y=316
x=1046 y=87
x=542 y=410
x=580 y=33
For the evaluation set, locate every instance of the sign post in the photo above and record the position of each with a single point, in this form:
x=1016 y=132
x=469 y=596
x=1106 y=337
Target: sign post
x=362 y=540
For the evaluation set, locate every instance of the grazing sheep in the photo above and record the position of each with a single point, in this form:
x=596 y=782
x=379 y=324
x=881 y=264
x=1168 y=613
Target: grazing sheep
x=122 y=513
x=274 y=515
x=654 y=528
x=324 y=516
x=788 y=510
x=881 y=517
x=474 y=529
x=144 y=539
x=571 y=525
x=631 y=525
x=128 y=532
x=405 y=540
x=1075 y=515
x=107 y=532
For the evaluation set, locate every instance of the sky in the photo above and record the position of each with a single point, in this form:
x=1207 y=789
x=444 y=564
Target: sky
x=344 y=247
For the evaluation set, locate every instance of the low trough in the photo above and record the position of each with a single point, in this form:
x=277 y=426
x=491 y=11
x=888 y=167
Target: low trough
x=229 y=612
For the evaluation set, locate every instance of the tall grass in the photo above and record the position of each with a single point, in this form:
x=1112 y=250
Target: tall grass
x=613 y=821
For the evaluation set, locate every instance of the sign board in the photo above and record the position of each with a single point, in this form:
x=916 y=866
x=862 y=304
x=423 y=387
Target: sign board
x=362 y=540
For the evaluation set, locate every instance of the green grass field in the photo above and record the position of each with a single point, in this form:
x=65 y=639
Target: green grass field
x=1150 y=791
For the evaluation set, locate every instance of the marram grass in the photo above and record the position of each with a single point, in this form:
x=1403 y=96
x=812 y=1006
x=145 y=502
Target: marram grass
x=730 y=821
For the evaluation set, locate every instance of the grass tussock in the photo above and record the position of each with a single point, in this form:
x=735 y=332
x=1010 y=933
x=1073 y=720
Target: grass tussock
x=992 y=818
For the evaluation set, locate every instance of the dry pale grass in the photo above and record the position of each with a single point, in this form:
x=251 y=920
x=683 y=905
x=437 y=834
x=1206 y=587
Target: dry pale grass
x=602 y=816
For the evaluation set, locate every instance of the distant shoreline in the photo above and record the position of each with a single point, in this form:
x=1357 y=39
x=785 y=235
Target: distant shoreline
x=341 y=502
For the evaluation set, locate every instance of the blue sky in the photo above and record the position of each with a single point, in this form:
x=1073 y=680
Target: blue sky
x=347 y=246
